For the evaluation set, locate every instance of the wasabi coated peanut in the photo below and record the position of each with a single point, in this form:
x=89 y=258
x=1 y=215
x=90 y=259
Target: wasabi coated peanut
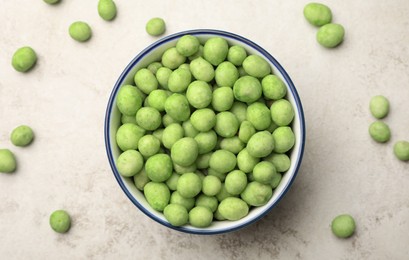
x=141 y=179
x=242 y=72
x=257 y=194
x=171 y=134
x=246 y=162
x=80 y=31
x=260 y=144
x=380 y=132
x=264 y=172
x=199 y=53
x=233 y=208
x=168 y=120
x=177 y=106
x=189 y=185
x=184 y=152
x=157 y=195
x=206 y=141
x=202 y=160
x=190 y=130
x=154 y=67
x=157 y=99
x=226 y=124
x=209 y=202
x=184 y=169
x=317 y=14
x=129 y=163
x=148 y=145
x=401 y=150
x=273 y=126
x=176 y=214
x=107 y=9
x=232 y=144
x=155 y=26
x=246 y=131
x=199 y=94
x=172 y=59
x=128 y=135
x=22 y=135
x=226 y=74
x=148 y=118
x=343 y=226
x=162 y=76
x=222 y=161
x=276 y=180
x=218 y=216
x=146 y=81
x=7 y=161
x=187 y=45
x=256 y=66
x=158 y=133
x=236 y=55
x=239 y=109
x=172 y=182
x=202 y=70
x=223 y=99
x=24 y=59
x=215 y=50
x=128 y=100
x=273 y=87
x=203 y=119
x=51 y=2
x=187 y=203
x=236 y=182
x=281 y=161
x=200 y=217
x=330 y=35
x=159 y=167
x=259 y=115
x=211 y=185
x=247 y=89
x=60 y=221
x=179 y=80
x=128 y=119
x=282 y=112
x=379 y=106
x=223 y=194
x=284 y=139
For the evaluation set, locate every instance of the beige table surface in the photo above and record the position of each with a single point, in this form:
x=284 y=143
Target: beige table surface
x=65 y=96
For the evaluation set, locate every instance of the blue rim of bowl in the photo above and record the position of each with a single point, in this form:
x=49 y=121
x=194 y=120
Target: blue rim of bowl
x=120 y=82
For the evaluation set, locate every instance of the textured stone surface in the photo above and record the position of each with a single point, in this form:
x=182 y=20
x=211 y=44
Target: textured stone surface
x=64 y=99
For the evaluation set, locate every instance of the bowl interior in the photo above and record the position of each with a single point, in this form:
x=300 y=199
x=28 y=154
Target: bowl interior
x=113 y=118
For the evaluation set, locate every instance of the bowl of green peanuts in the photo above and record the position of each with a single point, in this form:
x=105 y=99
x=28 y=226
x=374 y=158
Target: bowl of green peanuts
x=204 y=131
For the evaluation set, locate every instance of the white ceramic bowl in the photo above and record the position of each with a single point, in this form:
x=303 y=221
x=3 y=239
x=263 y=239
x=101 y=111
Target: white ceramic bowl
x=113 y=118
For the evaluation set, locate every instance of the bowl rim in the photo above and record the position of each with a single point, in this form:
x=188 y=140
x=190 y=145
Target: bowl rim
x=141 y=55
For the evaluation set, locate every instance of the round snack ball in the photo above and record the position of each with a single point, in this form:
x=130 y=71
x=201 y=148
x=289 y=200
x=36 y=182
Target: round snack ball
x=146 y=81
x=211 y=185
x=247 y=89
x=187 y=203
x=189 y=185
x=158 y=133
x=232 y=144
x=179 y=80
x=226 y=74
x=172 y=182
x=343 y=226
x=177 y=106
x=7 y=161
x=22 y=135
x=155 y=26
x=227 y=124
x=223 y=194
x=172 y=59
x=128 y=100
x=148 y=118
x=162 y=76
x=141 y=179
x=168 y=120
x=223 y=99
x=257 y=194
x=281 y=161
x=239 y=109
x=199 y=53
x=203 y=119
x=187 y=45
x=218 y=216
x=380 y=132
x=171 y=134
x=157 y=195
x=60 y=221
x=401 y=150
x=276 y=180
x=51 y=2
x=202 y=70
x=260 y=144
x=148 y=145
x=246 y=162
x=222 y=161
x=330 y=35
x=184 y=169
x=284 y=139
x=107 y=9
x=236 y=55
x=80 y=31
x=176 y=214
x=154 y=67
x=379 y=106
x=246 y=131
x=242 y=72
x=259 y=115
x=264 y=172
x=184 y=152
x=215 y=50
x=128 y=135
x=236 y=182
x=129 y=163
x=206 y=141
x=159 y=167
x=273 y=87
x=157 y=99
x=233 y=208
x=256 y=66
x=199 y=94
x=190 y=130
x=209 y=202
x=202 y=161
x=317 y=14
x=200 y=217
x=24 y=59
x=282 y=112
